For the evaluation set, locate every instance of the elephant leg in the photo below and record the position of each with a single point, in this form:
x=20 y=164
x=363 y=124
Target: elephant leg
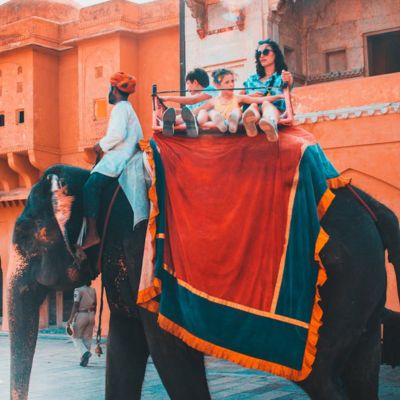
x=127 y=355
x=180 y=367
x=323 y=388
x=24 y=303
x=361 y=375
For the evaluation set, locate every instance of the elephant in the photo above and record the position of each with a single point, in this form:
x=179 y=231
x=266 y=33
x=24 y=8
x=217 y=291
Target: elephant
x=44 y=259
x=352 y=299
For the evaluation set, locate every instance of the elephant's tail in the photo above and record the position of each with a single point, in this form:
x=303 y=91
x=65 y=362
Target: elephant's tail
x=388 y=226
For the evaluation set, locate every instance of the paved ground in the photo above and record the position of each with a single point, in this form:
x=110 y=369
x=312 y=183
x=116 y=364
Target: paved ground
x=57 y=376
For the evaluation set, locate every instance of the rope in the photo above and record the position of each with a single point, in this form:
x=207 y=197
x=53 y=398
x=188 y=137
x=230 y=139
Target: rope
x=98 y=350
x=218 y=90
x=363 y=203
x=105 y=227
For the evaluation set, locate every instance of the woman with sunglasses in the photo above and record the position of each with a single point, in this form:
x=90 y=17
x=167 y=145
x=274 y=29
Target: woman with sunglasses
x=271 y=77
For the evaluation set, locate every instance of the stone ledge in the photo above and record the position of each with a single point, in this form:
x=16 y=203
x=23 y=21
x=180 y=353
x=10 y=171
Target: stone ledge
x=347 y=113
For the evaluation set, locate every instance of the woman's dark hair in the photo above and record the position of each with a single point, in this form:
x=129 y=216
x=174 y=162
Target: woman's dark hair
x=218 y=74
x=279 y=59
x=199 y=75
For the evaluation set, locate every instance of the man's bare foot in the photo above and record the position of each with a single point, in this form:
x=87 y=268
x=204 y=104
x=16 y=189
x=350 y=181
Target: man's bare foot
x=90 y=241
x=80 y=254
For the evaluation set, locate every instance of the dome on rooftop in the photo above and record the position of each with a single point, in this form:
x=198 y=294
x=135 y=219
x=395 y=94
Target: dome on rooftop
x=54 y=10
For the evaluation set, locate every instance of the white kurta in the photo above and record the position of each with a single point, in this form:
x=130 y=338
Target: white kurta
x=120 y=142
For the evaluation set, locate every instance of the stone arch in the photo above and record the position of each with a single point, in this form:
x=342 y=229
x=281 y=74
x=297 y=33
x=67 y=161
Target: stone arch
x=380 y=189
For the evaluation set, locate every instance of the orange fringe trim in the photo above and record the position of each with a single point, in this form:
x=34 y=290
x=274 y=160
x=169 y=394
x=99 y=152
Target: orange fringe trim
x=317 y=313
x=220 y=352
x=338 y=182
x=149 y=293
x=145 y=297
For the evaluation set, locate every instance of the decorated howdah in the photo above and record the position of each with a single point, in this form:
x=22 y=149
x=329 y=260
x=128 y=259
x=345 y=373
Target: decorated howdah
x=231 y=259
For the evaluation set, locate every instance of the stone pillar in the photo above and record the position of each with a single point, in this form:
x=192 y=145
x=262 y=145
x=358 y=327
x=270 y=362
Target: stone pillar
x=59 y=308
x=44 y=314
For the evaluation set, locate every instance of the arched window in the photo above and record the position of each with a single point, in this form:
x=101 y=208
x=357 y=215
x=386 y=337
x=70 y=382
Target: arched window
x=19 y=70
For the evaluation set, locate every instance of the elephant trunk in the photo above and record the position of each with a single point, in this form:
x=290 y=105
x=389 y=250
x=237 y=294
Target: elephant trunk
x=24 y=303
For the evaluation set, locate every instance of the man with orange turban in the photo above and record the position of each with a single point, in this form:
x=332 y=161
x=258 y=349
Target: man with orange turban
x=116 y=147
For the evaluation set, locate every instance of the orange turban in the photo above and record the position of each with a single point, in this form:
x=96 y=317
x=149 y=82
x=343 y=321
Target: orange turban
x=124 y=82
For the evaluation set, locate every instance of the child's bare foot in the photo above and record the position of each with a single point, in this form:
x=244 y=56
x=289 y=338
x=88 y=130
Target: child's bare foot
x=269 y=128
x=249 y=122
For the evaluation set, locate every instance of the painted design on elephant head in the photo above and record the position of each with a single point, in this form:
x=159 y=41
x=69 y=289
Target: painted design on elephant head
x=61 y=201
x=41 y=235
x=62 y=208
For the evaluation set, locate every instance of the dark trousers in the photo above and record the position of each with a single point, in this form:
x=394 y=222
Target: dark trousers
x=92 y=193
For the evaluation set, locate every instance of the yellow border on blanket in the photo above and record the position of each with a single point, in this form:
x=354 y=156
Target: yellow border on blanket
x=145 y=297
x=282 y=262
x=237 y=306
x=315 y=323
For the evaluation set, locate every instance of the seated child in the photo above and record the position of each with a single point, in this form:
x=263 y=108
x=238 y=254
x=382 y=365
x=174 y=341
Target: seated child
x=224 y=110
x=198 y=85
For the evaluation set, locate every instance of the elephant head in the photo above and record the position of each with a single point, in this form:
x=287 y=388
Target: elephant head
x=43 y=258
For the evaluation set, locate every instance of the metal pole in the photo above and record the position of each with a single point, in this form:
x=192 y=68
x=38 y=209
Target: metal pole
x=182 y=46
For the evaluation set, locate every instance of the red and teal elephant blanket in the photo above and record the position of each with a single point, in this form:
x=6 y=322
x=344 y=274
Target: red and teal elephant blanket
x=232 y=260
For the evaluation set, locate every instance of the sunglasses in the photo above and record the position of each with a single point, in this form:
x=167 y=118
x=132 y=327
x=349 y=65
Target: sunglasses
x=265 y=52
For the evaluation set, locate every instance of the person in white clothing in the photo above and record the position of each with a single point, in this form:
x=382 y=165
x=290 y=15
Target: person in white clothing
x=115 y=149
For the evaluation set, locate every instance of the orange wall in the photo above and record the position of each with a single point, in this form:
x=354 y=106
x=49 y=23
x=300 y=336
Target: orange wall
x=67 y=111
x=97 y=52
x=158 y=63
x=13 y=136
x=45 y=101
x=7 y=219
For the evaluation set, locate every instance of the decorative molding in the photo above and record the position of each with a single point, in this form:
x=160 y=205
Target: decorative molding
x=241 y=18
x=102 y=19
x=11 y=203
x=199 y=13
x=14 y=197
x=335 y=75
x=347 y=113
